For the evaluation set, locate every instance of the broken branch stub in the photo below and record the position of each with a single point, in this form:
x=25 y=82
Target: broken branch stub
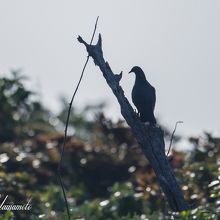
x=149 y=137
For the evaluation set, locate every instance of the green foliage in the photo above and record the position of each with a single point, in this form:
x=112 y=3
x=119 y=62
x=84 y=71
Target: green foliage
x=123 y=203
x=104 y=171
x=8 y=215
x=20 y=116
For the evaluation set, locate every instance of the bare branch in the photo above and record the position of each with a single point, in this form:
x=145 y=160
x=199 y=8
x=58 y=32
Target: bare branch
x=171 y=139
x=149 y=137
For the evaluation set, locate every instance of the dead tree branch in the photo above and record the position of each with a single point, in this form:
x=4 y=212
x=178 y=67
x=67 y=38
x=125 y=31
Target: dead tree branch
x=150 y=138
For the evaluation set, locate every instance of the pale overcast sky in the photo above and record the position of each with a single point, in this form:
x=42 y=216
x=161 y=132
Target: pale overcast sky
x=177 y=43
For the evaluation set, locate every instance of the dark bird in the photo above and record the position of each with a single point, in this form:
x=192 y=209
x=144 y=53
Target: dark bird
x=143 y=96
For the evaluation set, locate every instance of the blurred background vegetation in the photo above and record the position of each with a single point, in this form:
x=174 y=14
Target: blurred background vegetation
x=104 y=170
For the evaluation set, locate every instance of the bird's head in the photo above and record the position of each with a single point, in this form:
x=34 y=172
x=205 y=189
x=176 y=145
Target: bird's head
x=138 y=72
x=136 y=69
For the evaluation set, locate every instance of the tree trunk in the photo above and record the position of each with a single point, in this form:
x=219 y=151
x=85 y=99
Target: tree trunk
x=149 y=137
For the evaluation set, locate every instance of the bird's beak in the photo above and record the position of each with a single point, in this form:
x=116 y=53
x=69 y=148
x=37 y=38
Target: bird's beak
x=130 y=71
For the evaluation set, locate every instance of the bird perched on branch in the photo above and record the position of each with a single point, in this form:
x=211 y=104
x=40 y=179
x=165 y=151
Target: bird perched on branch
x=143 y=96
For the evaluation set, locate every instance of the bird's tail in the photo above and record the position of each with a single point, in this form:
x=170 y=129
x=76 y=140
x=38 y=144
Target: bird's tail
x=148 y=118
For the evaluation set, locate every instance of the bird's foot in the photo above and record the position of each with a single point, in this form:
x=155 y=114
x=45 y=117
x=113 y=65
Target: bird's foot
x=136 y=112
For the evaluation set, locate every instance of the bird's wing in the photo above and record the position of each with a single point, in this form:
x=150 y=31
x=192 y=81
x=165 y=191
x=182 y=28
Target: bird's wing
x=138 y=97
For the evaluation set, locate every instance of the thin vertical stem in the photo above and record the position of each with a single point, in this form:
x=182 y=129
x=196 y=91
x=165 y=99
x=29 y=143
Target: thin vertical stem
x=66 y=127
x=171 y=139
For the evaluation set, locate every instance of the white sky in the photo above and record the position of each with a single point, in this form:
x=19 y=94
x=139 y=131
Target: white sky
x=177 y=43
